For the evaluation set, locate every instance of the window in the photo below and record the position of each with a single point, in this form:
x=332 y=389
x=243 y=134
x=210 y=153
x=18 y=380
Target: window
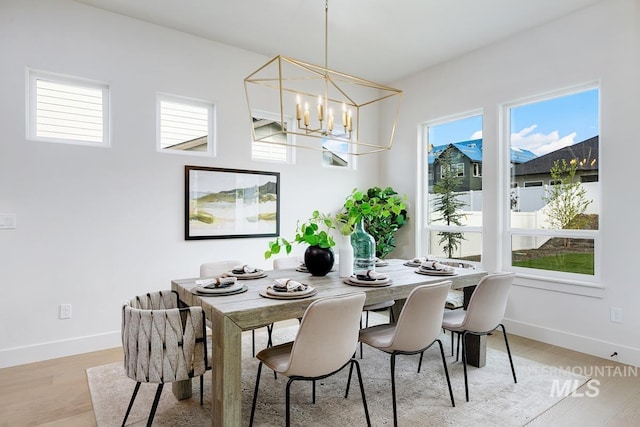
x=456 y=169
x=268 y=128
x=477 y=169
x=67 y=110
x=336 y=153
x=185 y=125
x=452 y=200
x=553 y=229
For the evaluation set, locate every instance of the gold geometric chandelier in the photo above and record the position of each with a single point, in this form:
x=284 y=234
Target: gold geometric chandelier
x=310 y=105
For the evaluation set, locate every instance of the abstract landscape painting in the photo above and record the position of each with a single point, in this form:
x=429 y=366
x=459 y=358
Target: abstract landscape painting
x=231 y=203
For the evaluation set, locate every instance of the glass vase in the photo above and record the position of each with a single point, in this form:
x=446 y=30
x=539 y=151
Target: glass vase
x=364 y=249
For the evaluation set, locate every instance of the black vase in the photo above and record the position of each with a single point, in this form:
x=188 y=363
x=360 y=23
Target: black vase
x=319 y=261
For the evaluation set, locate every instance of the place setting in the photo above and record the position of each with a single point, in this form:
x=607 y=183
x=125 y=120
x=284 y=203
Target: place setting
x=368 y=278
x=435 y=268
x=246 y=272
x=288 y=289
x=381 y=262
x=417 y=261
x=218 y=286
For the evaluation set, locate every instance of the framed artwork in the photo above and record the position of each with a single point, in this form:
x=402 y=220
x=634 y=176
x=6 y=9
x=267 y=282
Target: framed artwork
x=231 y=203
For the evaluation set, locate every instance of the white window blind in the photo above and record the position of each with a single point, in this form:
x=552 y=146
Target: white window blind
x=64 y=109
x=181 y=123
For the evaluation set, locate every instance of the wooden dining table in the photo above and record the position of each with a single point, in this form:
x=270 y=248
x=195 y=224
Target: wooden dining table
x=232 y=314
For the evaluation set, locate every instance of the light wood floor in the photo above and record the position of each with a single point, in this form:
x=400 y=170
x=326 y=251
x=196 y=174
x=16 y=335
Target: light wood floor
x=55 y=392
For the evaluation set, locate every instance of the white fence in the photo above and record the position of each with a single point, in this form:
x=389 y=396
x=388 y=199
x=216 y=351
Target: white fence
x=528 y=213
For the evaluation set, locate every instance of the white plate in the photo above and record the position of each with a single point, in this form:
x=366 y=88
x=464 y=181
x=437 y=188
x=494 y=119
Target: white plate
x=230 y=290
x=242 y=276
x=369 y=283
x=435 y=272
x=354 y=279
x=310 y=291
x=412 y=264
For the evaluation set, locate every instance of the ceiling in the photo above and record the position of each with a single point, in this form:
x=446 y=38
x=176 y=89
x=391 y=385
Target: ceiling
x=380 y=40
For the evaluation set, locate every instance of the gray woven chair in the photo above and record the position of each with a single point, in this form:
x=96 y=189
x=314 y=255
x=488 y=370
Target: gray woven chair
x=483 y=315
x=162 y=343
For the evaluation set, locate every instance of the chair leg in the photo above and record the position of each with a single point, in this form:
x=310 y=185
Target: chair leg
x=393 y=389
x=255 y=395
x=420 y=362
x=201 y=389
x=288 y=403
x=446 y=372
x=364 y=399
x=253 y=342
x=313 y=392
x=156 y=400
x=506 y=343
x=361 y=341
x=464 y=363
x=346 y=394
x=452 y=334
x=269 y=331
x=133 y=397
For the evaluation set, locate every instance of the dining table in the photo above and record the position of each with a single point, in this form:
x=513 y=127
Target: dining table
x=231 y=314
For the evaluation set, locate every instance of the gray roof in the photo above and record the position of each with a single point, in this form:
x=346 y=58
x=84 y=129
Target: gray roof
x=586 y=152
x=473 y=150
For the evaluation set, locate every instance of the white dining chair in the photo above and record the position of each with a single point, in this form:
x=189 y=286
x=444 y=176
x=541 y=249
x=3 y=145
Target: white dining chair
x=325 y=344
x=483 y=315
x=217 y=269
x=417 y=329
x=287 y=262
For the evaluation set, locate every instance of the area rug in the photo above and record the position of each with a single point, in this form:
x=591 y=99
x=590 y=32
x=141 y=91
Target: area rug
x=423 y=399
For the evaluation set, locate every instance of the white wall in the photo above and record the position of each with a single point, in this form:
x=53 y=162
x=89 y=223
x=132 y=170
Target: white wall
x=600 y=43
x=98 y=225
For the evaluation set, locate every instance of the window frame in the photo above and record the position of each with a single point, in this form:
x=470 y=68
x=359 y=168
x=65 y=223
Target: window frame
x=574 y=283
x=290 y=156
x=424 y=229
x=211 y=124
x=31 y=118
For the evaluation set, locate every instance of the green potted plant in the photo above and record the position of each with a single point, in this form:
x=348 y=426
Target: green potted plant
x=315 y=232
x=382 y=212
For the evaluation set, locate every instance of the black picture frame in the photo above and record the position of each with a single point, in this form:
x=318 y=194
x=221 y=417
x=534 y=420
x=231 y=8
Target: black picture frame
x=230 y=203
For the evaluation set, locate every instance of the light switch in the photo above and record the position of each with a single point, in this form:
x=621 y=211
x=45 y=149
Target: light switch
x=7 y=220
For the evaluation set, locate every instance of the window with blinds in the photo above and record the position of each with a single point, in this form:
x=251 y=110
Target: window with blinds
x=68 y=110
x=274 y=144
x=185 y=125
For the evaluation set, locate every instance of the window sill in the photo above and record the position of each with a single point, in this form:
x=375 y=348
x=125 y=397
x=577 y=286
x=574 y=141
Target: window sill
x=567 y=286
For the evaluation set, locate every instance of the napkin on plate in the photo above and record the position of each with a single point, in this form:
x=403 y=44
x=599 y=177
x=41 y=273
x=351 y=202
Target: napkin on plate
x=244 y=269
x=288 y=285
x=435 y=266
x=372 y=275
x=421 y=259
x=217 y=282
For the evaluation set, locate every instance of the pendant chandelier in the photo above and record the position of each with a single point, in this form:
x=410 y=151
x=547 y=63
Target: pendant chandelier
x=307 y=105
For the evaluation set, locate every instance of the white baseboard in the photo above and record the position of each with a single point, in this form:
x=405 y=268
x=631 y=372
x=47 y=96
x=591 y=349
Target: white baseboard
x=603 y=349
x=52 y=350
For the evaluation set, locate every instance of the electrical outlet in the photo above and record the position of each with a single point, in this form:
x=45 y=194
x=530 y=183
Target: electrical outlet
x=616 y=314
x=65 y=311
